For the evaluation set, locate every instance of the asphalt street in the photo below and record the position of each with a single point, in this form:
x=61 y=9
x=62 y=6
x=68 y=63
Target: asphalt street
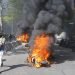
x=15 y=64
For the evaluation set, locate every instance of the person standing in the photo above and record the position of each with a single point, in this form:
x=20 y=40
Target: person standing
x=2 y=43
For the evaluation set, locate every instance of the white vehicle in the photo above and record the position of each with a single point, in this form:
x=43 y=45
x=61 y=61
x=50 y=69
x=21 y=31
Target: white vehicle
x=61 y=36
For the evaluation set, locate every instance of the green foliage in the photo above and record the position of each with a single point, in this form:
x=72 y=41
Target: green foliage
x=8 y=18
x=14 y=10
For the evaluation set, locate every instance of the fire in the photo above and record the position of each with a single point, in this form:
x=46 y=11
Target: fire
x=41 y=50
x=23 y=37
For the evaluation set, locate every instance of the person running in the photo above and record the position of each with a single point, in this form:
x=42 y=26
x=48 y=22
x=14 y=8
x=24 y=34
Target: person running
x=2 y=43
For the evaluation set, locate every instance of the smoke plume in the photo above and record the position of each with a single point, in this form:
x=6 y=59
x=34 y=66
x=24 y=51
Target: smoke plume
x=43 y=16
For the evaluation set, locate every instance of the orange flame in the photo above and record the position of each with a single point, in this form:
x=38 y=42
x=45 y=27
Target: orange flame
x=43 y=41
x=23 y=37
x=40 y=50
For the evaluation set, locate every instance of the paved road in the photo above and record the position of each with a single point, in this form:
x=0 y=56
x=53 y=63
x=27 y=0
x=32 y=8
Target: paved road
x=14 y=64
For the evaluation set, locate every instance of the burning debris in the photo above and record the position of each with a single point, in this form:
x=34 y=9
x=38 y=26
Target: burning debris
x=23 y=38
x=42 y=16
x=41 y=51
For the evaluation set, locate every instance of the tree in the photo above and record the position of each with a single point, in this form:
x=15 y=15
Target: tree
x=9 y=14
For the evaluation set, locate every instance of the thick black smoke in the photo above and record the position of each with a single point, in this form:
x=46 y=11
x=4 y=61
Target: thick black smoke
x=43 y=16
x=46 y=22
x=30 y=10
